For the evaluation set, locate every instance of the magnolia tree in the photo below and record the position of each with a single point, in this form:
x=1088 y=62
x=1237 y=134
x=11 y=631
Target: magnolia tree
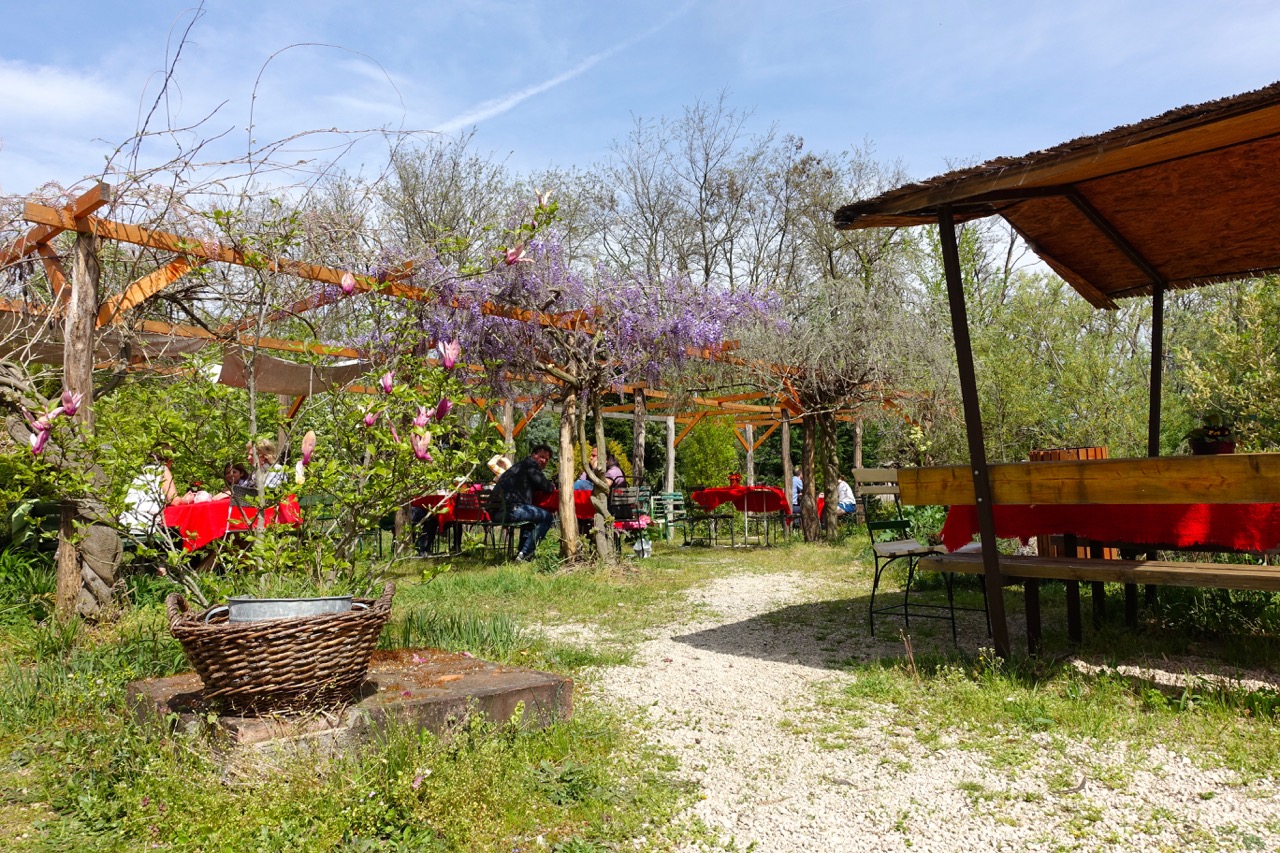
x=537 y=319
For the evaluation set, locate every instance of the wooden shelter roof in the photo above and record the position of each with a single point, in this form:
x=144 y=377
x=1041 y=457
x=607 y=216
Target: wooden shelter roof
x=1185 y=198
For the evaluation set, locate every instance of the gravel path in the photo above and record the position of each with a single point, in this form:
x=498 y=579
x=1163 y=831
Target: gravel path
x=732 y=695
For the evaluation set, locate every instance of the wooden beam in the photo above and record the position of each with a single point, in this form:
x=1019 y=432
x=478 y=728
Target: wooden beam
x=699 y=416
x=144 y=288
x=1230 y=478
x=530 y=415
x=737 y=432
x=770 y=431
x=295 y=407
x=182 y=330
x=53 y=270
x=194 y=248
x=96 y=197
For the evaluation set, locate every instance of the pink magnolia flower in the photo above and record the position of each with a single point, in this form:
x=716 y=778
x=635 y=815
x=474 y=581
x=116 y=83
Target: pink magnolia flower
x=39 y=439
x=423 y=417
x=387 y=381
x=348 y=283
x=443 y=407
x=515 y=255
x=449 y=354
x=371 y=417
x=419 y=441
x=395 y=435
x=308 y=446
x=71 y=402
x=544 y=198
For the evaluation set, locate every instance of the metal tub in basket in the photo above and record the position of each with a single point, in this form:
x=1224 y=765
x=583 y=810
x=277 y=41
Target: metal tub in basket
x=282 y=664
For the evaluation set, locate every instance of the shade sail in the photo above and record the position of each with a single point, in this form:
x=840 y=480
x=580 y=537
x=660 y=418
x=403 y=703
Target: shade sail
x=1187 y=198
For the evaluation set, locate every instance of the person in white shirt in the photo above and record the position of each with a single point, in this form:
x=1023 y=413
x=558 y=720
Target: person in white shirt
x=149 y=493
x=845 y=502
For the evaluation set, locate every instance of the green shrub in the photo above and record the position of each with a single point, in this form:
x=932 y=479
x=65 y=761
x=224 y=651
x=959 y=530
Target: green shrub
x=27 y=586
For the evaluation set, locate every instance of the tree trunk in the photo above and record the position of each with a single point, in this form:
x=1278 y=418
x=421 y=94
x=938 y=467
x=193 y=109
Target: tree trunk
x=77 y=377
x=749 y=433
x=830 y=453
x=637 y=440
x=809 y=499
x=602 y=528
x=568 y=517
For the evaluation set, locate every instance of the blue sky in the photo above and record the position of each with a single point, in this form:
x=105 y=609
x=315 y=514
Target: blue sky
x=557 y=83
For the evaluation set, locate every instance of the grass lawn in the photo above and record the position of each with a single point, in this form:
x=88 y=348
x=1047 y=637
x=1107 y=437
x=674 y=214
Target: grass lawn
x=77 y=773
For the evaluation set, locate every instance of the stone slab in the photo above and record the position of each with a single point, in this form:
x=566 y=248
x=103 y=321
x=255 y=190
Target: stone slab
x=424 y=687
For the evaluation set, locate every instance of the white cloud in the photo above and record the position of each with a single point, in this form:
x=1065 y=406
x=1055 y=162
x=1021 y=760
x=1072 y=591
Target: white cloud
x=35 y=94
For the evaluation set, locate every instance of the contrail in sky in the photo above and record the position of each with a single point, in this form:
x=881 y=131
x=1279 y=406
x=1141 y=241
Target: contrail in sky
x=498 y=106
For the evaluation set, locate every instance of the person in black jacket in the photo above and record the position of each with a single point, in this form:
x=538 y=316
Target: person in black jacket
x=519 y=484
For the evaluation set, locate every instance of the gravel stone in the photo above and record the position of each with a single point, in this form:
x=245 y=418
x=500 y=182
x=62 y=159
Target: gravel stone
x=721 y=692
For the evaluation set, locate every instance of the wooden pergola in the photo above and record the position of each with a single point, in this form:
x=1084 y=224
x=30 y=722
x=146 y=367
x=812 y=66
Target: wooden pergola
x=91 y=333
x=1180 y=200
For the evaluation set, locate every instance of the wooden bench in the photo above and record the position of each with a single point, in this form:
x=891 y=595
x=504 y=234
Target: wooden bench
x=1157 y=572
x=1073 y=571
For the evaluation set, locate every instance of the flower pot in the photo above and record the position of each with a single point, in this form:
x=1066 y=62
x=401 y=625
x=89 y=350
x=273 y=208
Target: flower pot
x=1207 y=447
x=735 y=479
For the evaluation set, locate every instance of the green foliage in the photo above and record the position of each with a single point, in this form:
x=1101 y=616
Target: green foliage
x=494 y=636
x=708 y=454
x=1231 y=370
x=27 y=586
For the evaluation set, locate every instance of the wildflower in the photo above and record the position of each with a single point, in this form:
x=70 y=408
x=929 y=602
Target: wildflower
x=348 y=283
x=449 y=354
x=515 y=255
x=443 y=407
x=71 y=402
x=387 y=381
x=308 y=446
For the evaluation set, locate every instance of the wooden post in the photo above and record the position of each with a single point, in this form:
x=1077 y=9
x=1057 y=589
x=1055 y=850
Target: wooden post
x=751 y=453
x=669 y=476
x=509 y=429
x=973 y=428
x=77 y=377
x=568 y=517
x=787 y=470
x=637 y=439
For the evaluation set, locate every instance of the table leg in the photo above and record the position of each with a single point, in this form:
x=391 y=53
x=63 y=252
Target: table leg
x=1074 y=632
x=1131 y=604
x=1031 y=594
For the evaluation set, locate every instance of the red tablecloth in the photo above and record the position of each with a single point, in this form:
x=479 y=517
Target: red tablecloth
x=446 y=506
x=744 y=498
x=200 y=523
x=582 y=507
x=1231 y=527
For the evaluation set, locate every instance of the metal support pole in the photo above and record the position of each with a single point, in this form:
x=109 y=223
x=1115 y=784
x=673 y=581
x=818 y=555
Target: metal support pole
x=973 y=428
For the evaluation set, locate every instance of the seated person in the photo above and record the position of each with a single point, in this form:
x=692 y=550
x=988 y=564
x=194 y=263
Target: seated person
x=149 y=493
x=235 y=474
x=518 y=485
x=583 y=483
x=845 y=502
x=613 y=472
x=262 y=459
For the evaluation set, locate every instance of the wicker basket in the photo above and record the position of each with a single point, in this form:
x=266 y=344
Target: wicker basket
x=280 y=664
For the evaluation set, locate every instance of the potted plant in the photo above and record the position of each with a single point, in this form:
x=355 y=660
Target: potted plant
x=1213 y=436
